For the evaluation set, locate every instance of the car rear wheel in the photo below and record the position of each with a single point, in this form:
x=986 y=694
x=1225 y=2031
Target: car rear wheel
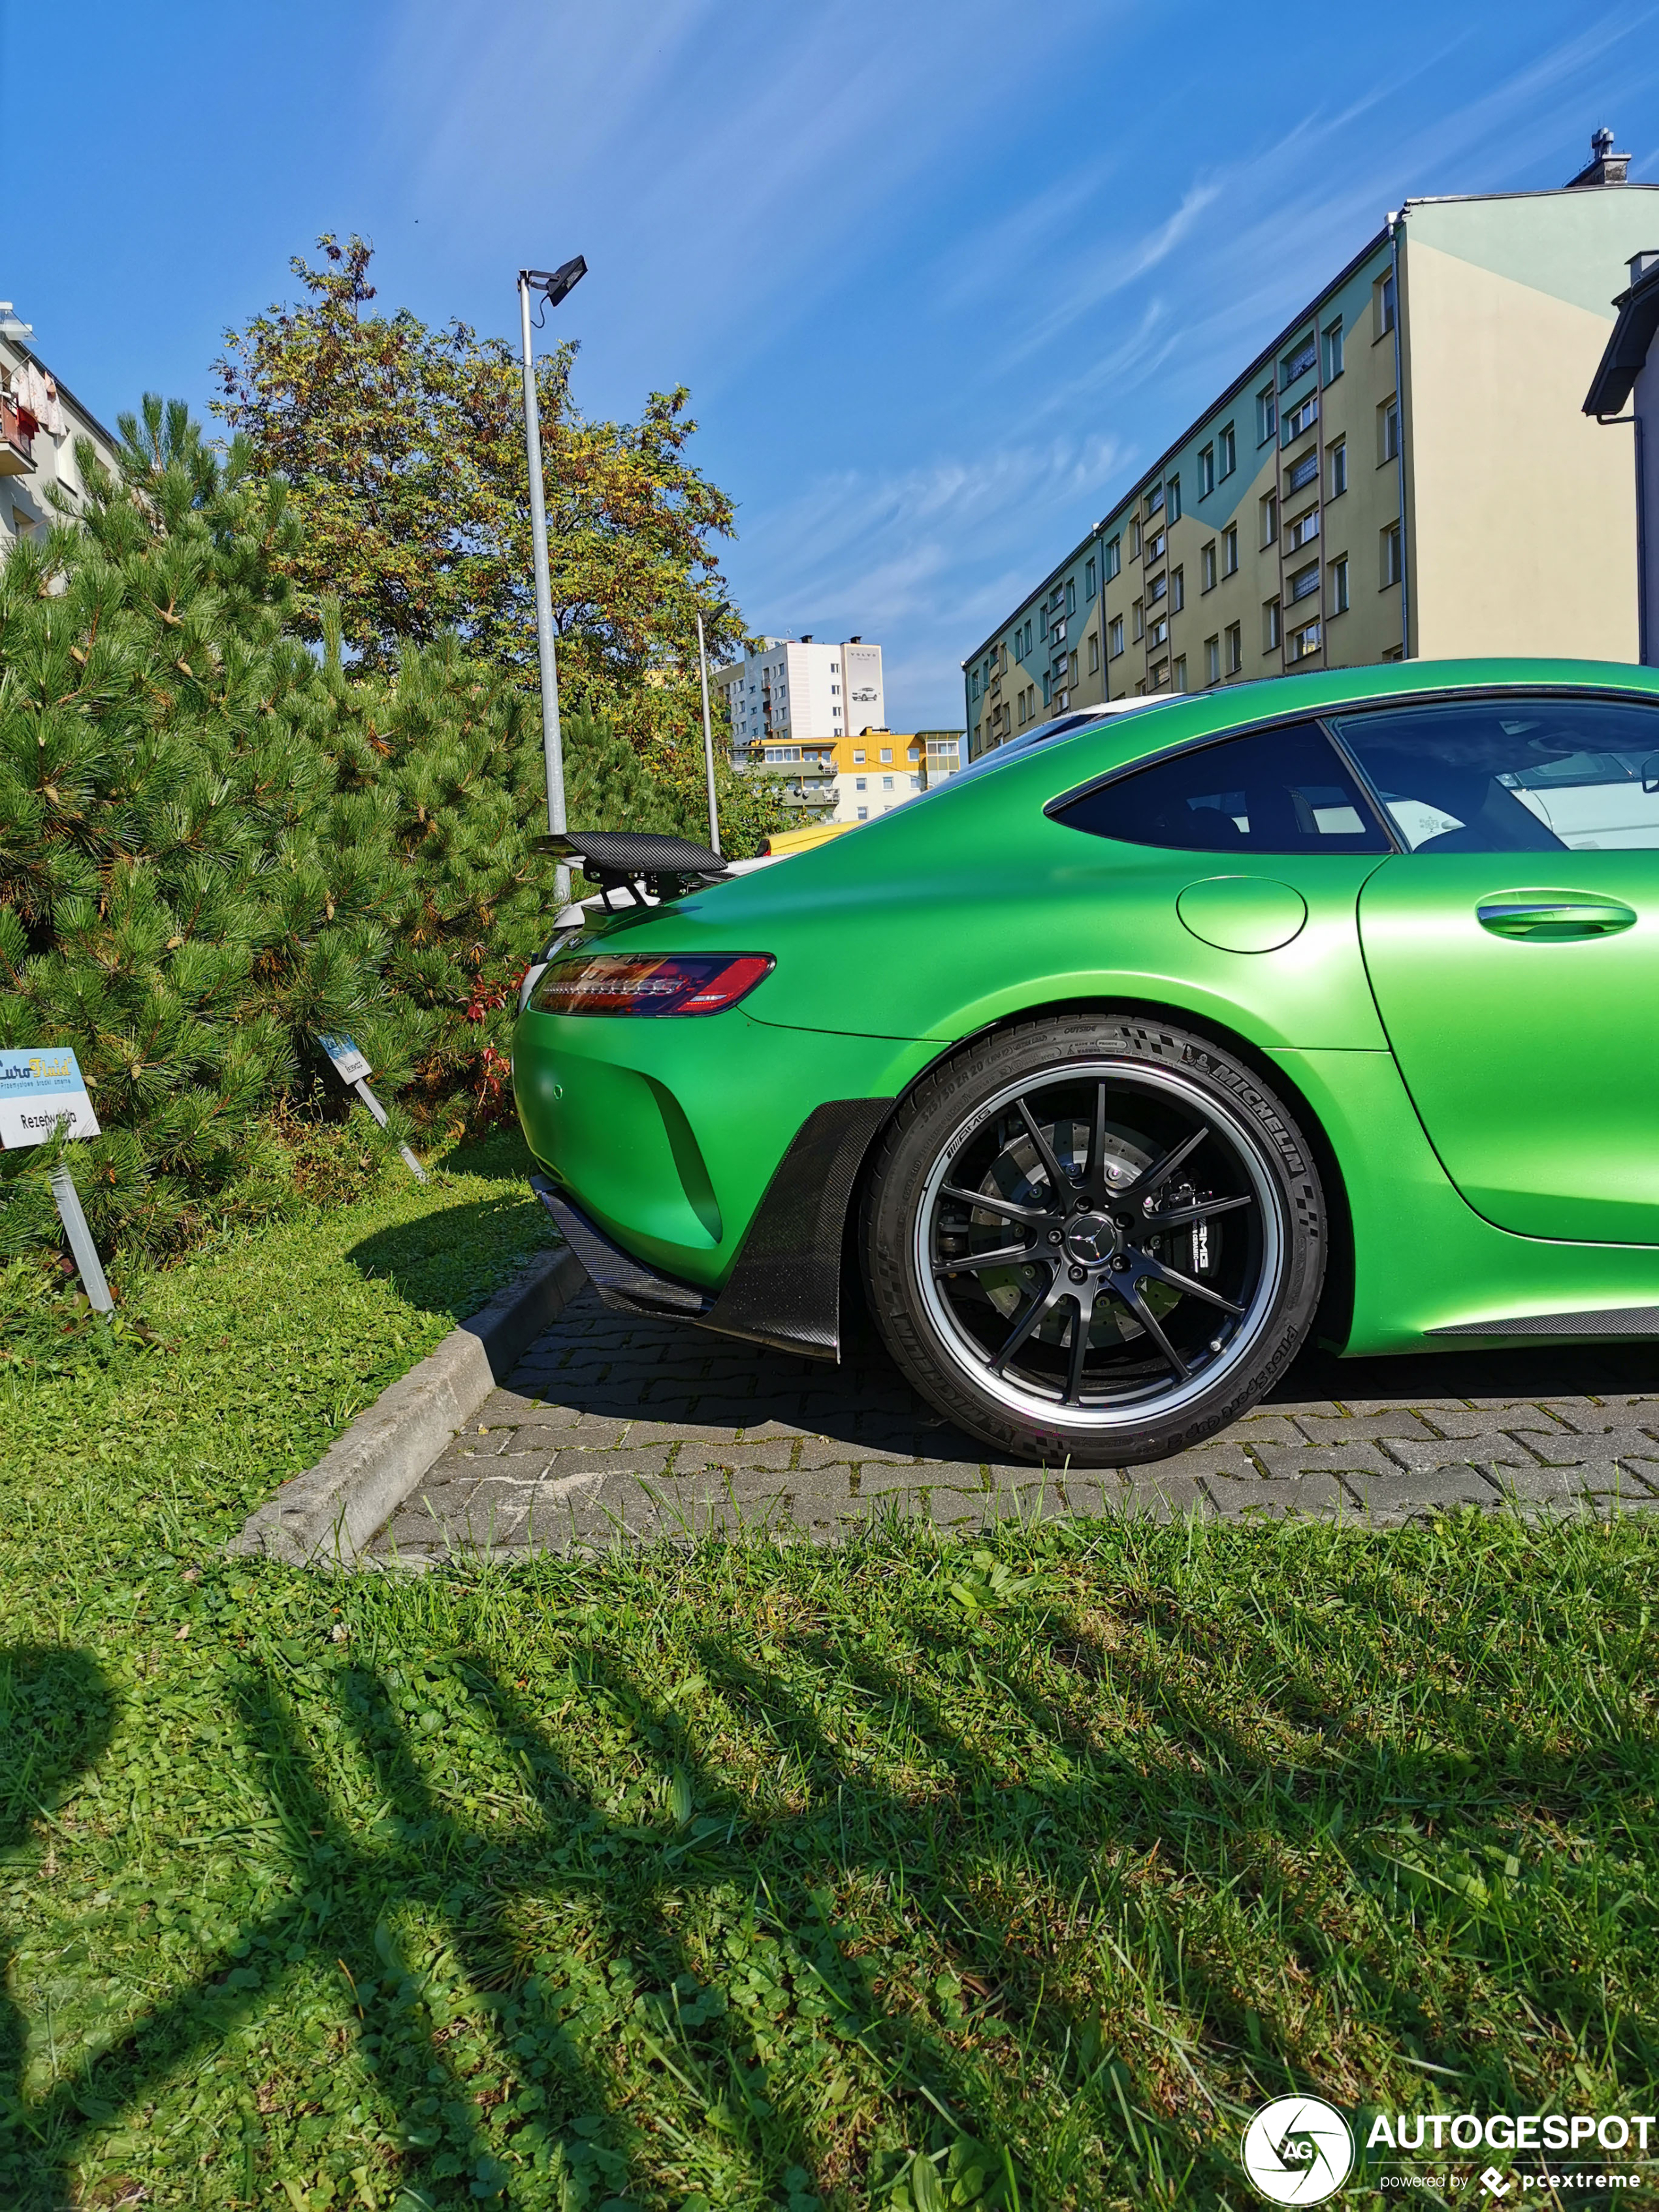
x=1093 y=1239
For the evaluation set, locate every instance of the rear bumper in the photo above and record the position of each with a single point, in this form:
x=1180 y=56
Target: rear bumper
x=785 y=1289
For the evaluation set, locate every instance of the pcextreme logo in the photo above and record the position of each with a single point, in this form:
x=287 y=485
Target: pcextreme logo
x=1298 y=2150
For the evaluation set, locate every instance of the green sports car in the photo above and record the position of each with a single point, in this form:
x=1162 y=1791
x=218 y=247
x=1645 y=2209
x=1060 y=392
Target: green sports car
x=1140 y=1049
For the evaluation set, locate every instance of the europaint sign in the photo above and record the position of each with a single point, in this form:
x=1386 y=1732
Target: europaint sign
x=40 y=1087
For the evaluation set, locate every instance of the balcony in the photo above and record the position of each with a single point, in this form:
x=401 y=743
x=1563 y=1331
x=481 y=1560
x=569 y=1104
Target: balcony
x=17 y=429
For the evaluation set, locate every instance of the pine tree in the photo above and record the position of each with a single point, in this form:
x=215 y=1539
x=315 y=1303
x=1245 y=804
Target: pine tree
x=169 y=905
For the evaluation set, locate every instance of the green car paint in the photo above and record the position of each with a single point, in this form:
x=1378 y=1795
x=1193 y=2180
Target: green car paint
x=1487 y=1102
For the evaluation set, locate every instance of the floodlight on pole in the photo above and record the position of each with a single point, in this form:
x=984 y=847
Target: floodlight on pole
x=554 y=285
x=716 y=618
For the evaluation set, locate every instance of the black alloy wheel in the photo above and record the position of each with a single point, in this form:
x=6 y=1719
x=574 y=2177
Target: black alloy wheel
x=1093 y=1240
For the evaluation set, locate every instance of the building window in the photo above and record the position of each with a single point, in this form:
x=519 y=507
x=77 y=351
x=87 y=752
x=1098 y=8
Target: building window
x=1273 y=626
x=1071 y=595
x=1267 y=416
x=1094 y=653
x=1178 y=673
x=1338 y=469
x=1042 y=622
x=1139 y=612
x=1270 y=519
x=1047 y=694
x=1156 y=587
x=1070 y=669
x=1302 y=417
x=860 y=782
x=1157 y=634
x=887 y=783
x=1302 y=529
x=1206 y=567
x=1303 y=583
x=1206 y=472
x=1234 y=648
x=1339 y=599
x=1333 y=351
x=1134 y=538
x=1160 y=675
x=1155 y=500
x=1392 y=569
x=1153 y=549
x=1173 y=510
x=1384 y=306
x=1177 y=590
x=1113 y=557
x=1387 y=431
x=977 y=727
x=864 y=814
x=1298 y=362
x=858 y=760
x=1028 y=639
x=1089 y=581
x=1229 y=549
x=1303 y=471
x=1213 y=660
x=1114 y=636
x=886 y=753
x=1229 y=445
x=1304 y=641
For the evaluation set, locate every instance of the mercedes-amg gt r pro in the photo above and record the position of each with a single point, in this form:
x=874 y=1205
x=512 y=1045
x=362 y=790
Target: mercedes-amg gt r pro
x=1140 y=1049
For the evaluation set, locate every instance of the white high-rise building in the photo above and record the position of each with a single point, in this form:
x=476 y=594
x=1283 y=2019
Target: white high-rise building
x=795 y=691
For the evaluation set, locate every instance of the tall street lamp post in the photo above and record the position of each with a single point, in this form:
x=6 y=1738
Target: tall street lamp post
x=553 y=285
x=723 y=609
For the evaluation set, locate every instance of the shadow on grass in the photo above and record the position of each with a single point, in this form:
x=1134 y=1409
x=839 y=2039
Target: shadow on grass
x=56 y=1716
x=1202 y=1826
x=453 y=1260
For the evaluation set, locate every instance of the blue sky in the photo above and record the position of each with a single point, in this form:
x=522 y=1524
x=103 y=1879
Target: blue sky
x=941 y=277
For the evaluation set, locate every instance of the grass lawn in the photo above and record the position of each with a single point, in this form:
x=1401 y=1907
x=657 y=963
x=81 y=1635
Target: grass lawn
x=744 y=1877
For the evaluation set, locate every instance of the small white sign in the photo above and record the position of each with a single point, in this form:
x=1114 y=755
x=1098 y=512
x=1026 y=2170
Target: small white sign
x=351 y=1065
x=39 y=1087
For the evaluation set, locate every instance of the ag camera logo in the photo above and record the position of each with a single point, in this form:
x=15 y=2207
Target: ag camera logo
x=1298 y=2150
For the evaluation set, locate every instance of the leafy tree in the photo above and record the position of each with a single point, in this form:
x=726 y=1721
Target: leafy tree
x=403 y=447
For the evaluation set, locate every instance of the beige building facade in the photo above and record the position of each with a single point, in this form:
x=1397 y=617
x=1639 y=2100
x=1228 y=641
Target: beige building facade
x=1407 y=472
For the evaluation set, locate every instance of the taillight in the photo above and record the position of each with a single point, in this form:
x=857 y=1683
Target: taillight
x=644 y=983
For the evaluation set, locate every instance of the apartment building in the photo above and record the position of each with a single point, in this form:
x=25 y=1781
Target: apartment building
x=1405 y=472
x=858 y=779
x=794 y=691
x=41 y=419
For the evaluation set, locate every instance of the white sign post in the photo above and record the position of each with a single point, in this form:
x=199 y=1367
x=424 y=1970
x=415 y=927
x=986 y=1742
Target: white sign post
x=41 y=1091
x=353 y=1067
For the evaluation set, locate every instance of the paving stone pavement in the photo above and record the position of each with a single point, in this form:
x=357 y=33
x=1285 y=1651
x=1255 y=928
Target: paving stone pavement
x=640 y=1429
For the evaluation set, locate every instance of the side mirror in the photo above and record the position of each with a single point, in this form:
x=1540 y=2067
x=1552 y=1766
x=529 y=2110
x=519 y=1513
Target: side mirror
x=1650 y=772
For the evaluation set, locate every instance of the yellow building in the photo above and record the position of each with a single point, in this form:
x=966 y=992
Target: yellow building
x=847 y=779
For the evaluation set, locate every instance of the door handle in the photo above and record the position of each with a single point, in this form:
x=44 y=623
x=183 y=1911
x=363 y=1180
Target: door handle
x=1550 y=920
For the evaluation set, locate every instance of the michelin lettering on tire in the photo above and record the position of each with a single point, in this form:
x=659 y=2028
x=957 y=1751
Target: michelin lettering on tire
x=1297 y=2150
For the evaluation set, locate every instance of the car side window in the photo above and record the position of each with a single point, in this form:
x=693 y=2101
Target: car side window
x=1284 y=790
x=1514 y=774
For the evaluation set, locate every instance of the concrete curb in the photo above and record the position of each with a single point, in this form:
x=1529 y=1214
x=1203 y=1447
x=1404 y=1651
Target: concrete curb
x=326 y=1516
